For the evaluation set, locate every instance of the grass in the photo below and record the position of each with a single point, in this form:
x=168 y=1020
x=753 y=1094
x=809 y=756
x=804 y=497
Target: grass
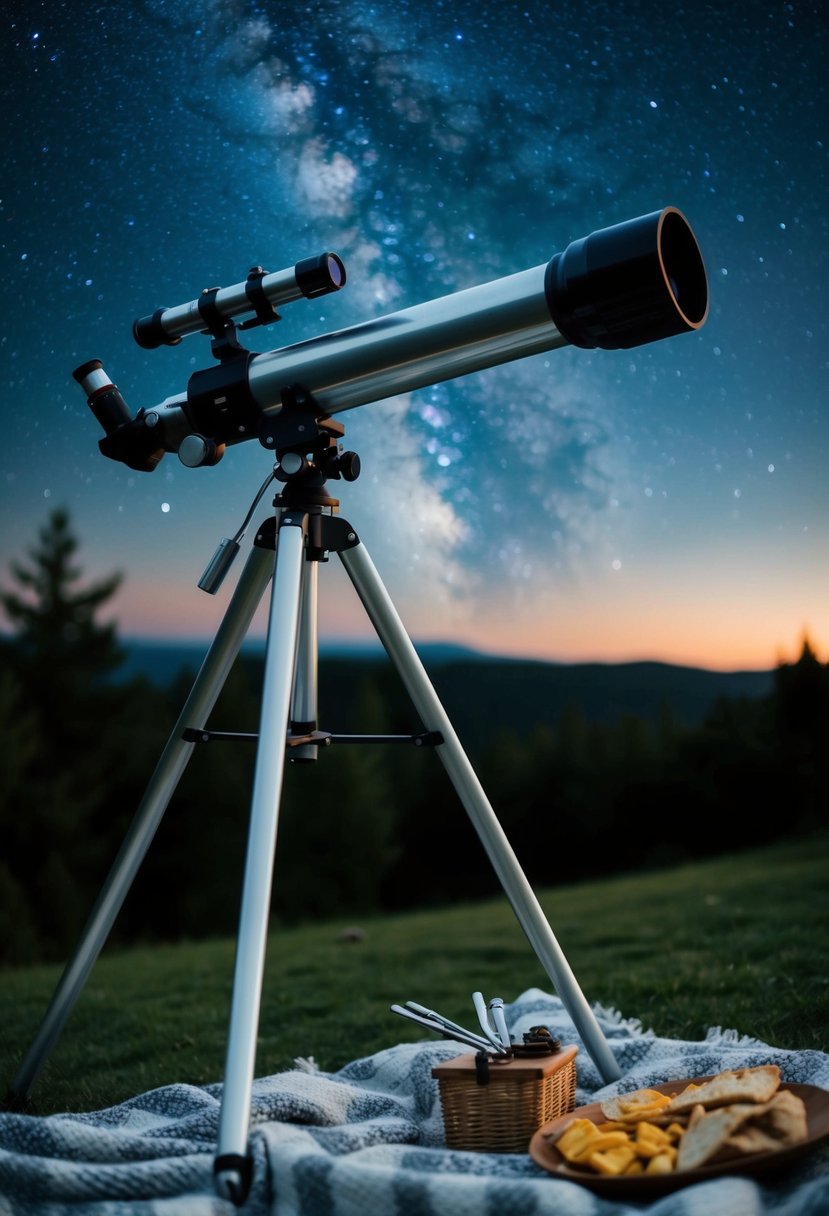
x=738 y=941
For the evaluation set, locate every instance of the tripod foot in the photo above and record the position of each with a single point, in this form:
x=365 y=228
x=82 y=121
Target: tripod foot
x=233 y=1177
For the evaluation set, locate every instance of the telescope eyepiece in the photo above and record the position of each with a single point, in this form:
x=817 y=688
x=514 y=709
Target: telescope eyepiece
x=126 y=438
x=630 y=284
x=102 y=396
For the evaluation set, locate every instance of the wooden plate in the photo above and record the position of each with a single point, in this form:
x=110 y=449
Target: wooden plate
x=545 y=1154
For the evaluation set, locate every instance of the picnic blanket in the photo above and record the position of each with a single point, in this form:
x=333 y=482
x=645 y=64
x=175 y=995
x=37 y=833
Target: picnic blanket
x=368 y=1141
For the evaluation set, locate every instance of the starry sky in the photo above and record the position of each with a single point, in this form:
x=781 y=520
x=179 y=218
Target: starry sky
x=669 y=502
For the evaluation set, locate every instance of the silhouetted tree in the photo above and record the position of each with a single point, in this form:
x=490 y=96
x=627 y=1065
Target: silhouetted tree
x=801 y=700
x=63 y=651
x=18 y=733
x=61 y=710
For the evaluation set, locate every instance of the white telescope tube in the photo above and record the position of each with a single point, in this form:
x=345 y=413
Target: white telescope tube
x=617 y=288
x=623 y=286
x=451 y=336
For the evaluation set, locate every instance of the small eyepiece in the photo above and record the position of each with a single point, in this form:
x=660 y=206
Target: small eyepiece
x=102 y=396
x=92 y=378
x=92 y=365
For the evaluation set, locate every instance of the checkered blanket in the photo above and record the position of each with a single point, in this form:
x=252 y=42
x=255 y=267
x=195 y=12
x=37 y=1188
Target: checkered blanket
x=368 y=1141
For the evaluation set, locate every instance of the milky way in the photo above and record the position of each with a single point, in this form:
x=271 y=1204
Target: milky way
x=568 y=504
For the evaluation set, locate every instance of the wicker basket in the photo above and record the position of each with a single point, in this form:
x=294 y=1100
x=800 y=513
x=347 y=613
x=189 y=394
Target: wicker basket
x=500 y=1111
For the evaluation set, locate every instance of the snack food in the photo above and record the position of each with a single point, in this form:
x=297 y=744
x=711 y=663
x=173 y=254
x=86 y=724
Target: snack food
x=757 y=1084
x=743 y=1128
x=736 y=1113
x=630 y=1108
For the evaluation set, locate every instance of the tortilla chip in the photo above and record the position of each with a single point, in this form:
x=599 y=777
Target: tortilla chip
x=742 y=1129
x=733 y=1085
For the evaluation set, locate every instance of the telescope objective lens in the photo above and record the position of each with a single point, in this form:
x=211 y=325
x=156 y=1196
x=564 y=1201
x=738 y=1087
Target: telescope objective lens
x=683 y=268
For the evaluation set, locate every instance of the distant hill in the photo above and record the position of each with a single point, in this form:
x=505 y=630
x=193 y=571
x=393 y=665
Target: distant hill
x=483 y=694
x=162 y=661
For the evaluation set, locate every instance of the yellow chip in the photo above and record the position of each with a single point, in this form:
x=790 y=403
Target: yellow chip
x=605 y=1140
x=661 y=1164
x=635 y=1167
x=643 y=1099
x=576 y=1137
x=652 y=1133
x=612 y=1160
x=648 y=1151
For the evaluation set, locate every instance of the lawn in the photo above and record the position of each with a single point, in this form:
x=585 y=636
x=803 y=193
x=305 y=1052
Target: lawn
x=737 y=942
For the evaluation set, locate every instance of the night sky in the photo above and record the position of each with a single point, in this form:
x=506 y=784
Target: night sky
x=669 y=502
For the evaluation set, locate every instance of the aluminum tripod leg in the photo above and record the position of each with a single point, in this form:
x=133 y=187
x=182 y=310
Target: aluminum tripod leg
x=304 y=703
x=399 y=647
x=232 y=1163
x=214 y=671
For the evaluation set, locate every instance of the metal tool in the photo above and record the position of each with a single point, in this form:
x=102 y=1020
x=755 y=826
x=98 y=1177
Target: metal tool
x=483 y=1018
x=496 y=1008
x=447 y=1023
x=446 y=1030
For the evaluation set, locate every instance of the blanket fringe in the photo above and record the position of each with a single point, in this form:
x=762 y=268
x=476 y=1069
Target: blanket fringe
x=730 y=1038
x=306 y=1064
x=615 y=1018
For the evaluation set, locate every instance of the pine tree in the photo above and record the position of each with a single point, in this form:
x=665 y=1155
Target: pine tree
x=63 y=652
x=801 y=704
x=57 y=705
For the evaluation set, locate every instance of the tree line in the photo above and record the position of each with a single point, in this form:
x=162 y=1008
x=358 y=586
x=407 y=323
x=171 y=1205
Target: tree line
x=365 y=828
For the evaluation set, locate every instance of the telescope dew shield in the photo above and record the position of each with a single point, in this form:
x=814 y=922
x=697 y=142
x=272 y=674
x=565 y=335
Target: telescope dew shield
x=630 y=284
x=620 y=287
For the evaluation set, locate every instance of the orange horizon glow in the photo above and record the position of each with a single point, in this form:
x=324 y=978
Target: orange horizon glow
x=586 y=635
x=756 y=621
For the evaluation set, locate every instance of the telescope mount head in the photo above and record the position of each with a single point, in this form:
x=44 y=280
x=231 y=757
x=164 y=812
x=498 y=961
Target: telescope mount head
x=308 y=451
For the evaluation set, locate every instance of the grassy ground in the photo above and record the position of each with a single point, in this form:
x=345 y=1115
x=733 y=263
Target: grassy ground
x=736 y=942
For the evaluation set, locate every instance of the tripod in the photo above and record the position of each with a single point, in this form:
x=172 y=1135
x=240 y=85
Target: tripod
x=287 y=552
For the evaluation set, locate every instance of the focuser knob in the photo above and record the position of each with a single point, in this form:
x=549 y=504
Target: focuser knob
x=348 y=466
x=195 y=451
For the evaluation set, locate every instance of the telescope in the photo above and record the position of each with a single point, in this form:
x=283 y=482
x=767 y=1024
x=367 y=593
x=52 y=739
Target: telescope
x=619 y=287
x=623 y=286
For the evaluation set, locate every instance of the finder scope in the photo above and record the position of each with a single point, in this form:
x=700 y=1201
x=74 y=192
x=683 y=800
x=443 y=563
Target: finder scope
x=261 y=293
x=624 y=286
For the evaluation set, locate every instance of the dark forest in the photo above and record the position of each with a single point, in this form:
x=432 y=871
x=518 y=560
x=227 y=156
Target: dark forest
x=365 y=828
